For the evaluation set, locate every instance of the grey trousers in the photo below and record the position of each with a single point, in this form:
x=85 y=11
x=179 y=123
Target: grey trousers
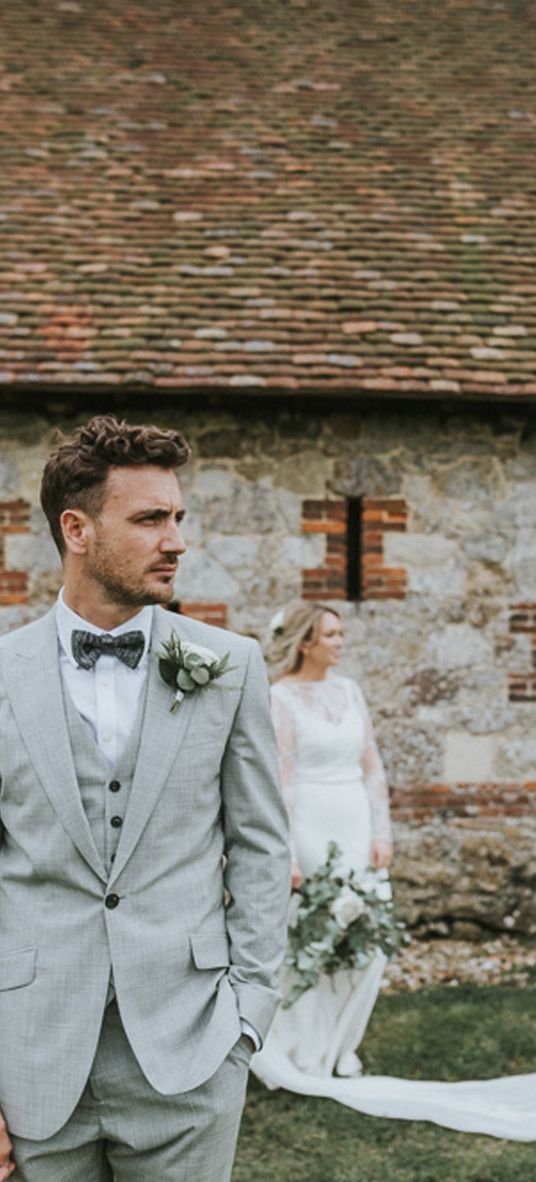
x=123 y=1131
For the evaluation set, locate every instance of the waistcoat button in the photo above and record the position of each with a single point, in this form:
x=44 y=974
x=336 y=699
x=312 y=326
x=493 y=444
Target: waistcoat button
x=116 y=822
x=114 y=785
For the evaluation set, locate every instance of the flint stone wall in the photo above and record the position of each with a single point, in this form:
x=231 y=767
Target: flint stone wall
x=436 y=663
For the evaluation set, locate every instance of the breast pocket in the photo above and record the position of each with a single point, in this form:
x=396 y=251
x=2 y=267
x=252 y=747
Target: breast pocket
x=18 y=968
x=204 y=739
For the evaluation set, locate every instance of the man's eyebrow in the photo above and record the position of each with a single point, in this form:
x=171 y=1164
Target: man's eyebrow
x=160 y=512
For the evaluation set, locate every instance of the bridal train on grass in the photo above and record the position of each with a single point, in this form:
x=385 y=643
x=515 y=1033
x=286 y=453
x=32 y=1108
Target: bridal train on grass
x=335 y=791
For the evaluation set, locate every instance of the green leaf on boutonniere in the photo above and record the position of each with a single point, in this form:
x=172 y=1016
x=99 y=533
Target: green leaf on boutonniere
x=200 y=676
x=184 y=681
x=167 y=672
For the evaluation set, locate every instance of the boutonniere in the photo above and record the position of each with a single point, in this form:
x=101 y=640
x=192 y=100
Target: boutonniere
x=187 y=667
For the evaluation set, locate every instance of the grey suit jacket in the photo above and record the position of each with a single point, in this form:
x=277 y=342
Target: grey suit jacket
x=185 y=966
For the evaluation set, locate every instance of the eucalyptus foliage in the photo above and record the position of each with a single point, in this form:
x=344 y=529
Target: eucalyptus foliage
x=338 y=923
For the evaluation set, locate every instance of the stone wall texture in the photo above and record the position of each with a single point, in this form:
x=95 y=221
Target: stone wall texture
x=442 y=636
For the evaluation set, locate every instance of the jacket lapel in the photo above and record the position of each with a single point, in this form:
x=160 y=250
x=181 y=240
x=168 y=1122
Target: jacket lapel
x=35 y=692
x=161 y=736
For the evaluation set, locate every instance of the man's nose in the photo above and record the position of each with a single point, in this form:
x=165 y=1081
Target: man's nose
x=173 y=540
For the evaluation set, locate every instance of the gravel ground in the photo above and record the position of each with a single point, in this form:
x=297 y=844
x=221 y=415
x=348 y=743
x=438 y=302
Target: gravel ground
x=454 y=962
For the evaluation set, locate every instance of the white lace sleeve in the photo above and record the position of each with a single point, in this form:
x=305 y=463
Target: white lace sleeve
x=283 y=721
x=374 y=775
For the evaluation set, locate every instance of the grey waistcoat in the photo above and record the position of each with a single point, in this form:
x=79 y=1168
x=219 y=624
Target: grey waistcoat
x=104 y=790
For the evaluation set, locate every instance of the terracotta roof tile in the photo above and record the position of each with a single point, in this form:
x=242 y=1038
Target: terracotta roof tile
x=292 y=196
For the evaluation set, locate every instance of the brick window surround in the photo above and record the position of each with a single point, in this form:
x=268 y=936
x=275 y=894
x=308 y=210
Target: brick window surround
x=522 y=686
x=14 y=519
x=330 y=517
x=381 y=515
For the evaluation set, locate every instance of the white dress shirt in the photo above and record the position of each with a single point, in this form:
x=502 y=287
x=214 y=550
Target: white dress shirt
x=107 y=695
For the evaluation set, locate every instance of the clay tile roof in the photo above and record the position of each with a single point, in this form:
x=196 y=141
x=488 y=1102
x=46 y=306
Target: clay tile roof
x=301 y=195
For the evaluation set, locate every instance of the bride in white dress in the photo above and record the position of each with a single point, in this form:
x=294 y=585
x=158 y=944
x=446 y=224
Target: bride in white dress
x=335 y=790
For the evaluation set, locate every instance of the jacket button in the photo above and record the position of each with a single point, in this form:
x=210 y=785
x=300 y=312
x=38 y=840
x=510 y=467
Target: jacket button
x=114 y=785
x=112 y=901
x=116 y=822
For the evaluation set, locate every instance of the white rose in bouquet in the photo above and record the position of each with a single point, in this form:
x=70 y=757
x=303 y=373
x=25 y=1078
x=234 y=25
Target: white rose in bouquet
x=347 y=907
x=382 y=890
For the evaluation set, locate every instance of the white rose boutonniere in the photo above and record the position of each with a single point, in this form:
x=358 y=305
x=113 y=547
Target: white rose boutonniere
x=187 y=667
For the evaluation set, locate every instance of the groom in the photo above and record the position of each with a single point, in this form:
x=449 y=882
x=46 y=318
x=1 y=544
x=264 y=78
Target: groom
x=143 y=860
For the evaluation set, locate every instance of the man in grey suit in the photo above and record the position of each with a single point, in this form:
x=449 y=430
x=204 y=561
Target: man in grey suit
x=143 y=857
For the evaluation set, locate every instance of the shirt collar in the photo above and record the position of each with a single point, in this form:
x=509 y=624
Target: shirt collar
x=67 y=620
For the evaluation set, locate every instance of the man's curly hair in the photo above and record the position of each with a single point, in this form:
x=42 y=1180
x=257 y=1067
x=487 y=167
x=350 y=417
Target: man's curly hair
x=75 y=474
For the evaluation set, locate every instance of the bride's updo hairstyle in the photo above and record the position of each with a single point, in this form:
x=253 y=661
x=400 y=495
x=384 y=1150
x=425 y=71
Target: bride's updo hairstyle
x=292 y=626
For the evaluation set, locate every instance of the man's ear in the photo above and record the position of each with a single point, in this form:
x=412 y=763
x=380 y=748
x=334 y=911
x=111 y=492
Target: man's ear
x=75 y=526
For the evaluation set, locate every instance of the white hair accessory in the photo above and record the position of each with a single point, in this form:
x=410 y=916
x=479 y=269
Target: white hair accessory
x=276 y=622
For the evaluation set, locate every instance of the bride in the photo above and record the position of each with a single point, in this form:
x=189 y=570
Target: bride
x=335 y=790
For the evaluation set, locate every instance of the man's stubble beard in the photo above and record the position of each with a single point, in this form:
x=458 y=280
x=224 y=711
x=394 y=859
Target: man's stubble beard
x=103 y=570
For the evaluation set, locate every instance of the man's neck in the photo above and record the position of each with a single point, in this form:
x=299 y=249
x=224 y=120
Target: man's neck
x=99 y=613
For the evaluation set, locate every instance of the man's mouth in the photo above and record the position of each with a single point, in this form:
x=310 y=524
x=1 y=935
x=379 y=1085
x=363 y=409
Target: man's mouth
x=168 y=571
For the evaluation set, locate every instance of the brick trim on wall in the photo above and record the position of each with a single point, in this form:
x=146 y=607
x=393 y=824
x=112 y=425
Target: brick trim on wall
x=328 y=517
x=14 y=519
x=207 y=613
x=469 y=801
x=381 y=515
x=522 y=686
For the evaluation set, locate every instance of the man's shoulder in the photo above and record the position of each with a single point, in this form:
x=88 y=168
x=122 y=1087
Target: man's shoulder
x=27 y=638
x=24 y=643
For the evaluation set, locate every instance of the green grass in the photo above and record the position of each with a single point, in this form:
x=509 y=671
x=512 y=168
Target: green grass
x=437 y=1033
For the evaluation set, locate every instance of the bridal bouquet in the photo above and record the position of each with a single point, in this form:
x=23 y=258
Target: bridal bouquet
x=338 y=923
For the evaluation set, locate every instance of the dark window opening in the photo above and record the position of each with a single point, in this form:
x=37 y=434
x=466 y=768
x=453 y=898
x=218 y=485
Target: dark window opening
x=354 y=584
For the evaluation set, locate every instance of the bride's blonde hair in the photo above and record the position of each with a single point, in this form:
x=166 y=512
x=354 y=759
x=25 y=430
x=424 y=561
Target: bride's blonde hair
x=295 y=624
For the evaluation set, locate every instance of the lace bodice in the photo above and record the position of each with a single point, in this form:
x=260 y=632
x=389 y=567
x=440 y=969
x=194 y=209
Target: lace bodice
x=324 y=734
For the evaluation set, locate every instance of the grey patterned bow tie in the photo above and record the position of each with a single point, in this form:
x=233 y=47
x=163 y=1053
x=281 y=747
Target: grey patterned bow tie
x=88 y=647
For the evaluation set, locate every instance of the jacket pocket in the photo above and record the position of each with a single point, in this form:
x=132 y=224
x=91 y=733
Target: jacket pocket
x=210 y=951
x=17 y=968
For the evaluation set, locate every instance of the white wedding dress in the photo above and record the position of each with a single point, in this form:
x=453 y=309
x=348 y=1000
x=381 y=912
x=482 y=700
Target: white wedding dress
x=335 y=790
